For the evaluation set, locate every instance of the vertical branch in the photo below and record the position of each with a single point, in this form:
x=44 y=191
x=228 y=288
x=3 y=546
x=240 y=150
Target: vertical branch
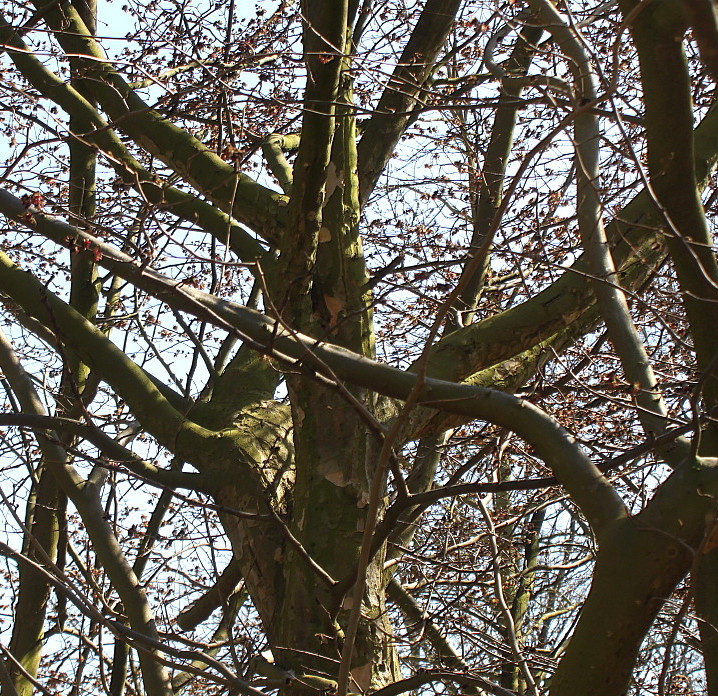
x=83 y=165
x=501 y=598
x=340 y=297
x=43 y=524
x=84 y=290
x=611 y=298
x=658 y=30
x=324 y=35
x=525 y=583
x=486 y=185
x=510 y=669
x=87 y=501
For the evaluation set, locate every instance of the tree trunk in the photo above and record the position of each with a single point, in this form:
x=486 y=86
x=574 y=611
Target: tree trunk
x=334 y=461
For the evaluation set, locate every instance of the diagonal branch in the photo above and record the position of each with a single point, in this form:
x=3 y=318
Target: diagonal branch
x=636 y=241
x=110 y=448
x=86 y=499
x=234 y=192
x=404 y=92
x=584 y=482
x=95 y=131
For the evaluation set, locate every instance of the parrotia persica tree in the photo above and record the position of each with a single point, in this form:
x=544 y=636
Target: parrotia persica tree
x=358 y=347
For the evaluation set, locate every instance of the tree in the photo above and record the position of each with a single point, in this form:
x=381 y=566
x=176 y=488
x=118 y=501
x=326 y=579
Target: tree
x=381 y=330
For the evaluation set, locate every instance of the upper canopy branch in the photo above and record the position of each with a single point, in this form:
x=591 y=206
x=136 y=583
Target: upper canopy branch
x=658 y=30
x=97 y=132
x=234 y=192
x=395 y=110
x=635 y=238
x=611 y=299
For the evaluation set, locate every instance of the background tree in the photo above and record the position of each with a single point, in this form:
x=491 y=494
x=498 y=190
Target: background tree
x=372 y=338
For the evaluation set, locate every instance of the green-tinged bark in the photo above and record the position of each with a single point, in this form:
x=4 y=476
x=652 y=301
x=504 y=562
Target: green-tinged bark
x=523 y=590
x=112 y=450
x=285 y=442
x=43 y=519
x=509 y=333
x=329 y=509
x=47 y=522
x=645 y=556
x=273 y=149
x=610 y=296
x=658 y=31
x=91 y=129
x=571 y=467
x=324 y=275
x=78 y=388
x=134 y=600
x=118 y=677
x=340 y=299
x=234 y=192
x=323 y=470
x=59 y=475
x=208 y=450
x=33 y=593
x=591 y=491
x=324 y=33
x=84 y=291
x=705 y=587
x=249 y=379
x=517 y=575
x=92 y=346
